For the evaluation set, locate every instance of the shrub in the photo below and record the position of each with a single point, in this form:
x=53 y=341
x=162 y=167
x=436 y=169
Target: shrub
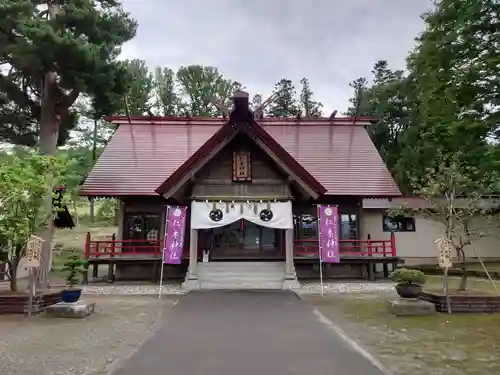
x=74 y=266
x=408 y=276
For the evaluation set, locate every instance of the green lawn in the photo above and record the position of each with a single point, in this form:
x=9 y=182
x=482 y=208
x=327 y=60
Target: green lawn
x=443 y=344
x=434 y=283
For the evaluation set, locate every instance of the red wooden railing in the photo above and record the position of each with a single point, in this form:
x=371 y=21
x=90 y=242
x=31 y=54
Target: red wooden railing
x=120 y=248
x=366 y=248
x=302 y=248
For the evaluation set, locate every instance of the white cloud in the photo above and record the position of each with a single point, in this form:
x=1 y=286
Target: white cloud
x=260 y=41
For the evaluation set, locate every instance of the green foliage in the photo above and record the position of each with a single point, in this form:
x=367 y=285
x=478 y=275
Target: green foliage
x=455 y=67
x=391 y=100
x=457 y=195
x=107 y=210
x=408 y=276
x=168 y=100
x=62 y=48
x=285 y=104
x=201 y=83
x=308 y=106
x=24 y=208
x=73 y=267
x=449 y=100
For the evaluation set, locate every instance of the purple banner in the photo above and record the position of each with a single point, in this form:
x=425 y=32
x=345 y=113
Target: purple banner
x=328 y=218
x=175 y=226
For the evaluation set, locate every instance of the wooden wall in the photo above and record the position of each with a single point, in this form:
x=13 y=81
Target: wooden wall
x=216 y=178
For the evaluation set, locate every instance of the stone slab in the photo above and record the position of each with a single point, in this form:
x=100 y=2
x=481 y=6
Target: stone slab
x=291 y=284
x=191 y=283
x=410 y=307
x=77 y=310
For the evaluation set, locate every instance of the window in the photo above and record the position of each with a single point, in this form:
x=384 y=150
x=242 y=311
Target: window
x=306 y=226
x=142 y=227
x=398 y=224
x=348 y=226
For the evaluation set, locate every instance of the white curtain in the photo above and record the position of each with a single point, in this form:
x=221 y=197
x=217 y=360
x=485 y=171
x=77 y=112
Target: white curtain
x=277 y=215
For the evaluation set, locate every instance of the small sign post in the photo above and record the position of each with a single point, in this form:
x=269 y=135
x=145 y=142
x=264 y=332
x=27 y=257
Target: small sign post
x=445 y=247
x=33 y=252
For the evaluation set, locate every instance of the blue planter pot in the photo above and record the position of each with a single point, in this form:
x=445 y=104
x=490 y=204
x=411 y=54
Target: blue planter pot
x=71 y=295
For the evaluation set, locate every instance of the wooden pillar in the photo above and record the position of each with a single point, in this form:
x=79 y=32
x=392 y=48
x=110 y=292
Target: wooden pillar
x=289 y=253
x=193 y=254
x=290 y=281
x=111 y=268
x=191 y=282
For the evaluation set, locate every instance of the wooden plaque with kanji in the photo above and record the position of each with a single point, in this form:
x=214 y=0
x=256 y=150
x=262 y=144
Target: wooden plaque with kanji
x=242 y=166
x=445 y=254
x=33 y=251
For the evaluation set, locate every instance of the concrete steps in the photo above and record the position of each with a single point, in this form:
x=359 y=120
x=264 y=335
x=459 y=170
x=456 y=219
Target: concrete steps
x=241 y=275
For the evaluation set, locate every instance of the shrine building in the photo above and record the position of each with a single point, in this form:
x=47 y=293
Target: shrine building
x=251 y=186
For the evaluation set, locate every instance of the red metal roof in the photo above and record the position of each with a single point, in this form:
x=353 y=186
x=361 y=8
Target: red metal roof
x=221 y=135
x=143 y=154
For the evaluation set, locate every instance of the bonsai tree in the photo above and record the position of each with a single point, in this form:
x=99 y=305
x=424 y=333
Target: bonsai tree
x=408 y=276
x=74 y=266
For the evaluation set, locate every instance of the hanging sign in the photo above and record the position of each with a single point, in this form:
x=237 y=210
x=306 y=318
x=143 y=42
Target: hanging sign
x=33 y=252
x=328 y=233
x=175 y=227
x=445 y=248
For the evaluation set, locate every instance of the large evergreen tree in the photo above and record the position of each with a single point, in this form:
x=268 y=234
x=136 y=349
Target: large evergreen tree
x=284 y=104
x=51 y=52
x=308 y=106
x=390 y=99
x=455 y=66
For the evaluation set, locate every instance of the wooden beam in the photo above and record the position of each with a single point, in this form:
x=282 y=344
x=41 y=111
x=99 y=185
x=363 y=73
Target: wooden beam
x=259 y=181
x=241 y=198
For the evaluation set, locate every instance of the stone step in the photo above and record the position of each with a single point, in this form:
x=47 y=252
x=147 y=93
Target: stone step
x=238 y=270
x=237 y=278
x=257 y=266
x=241 y=285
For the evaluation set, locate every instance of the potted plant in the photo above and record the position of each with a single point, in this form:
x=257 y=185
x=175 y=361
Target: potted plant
x=74 y=266
x=409 y=282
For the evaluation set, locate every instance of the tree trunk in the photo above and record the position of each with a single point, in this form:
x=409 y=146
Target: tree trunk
x=92 y=209
x=77 y=220
x=12 y=266
x=463 y=281
x=49 y=132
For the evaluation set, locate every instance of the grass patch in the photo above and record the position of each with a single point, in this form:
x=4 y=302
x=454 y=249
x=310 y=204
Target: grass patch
x=435 y=284
x=74 y=239
x=441 y=344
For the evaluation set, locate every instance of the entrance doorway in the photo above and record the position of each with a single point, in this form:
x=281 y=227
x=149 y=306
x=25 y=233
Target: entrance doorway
x=244 y=240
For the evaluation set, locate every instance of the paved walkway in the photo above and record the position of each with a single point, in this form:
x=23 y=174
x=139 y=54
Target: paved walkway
x=245 y=333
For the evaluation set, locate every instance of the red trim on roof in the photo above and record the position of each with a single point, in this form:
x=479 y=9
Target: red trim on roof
x=151 y=120
x=222 y=134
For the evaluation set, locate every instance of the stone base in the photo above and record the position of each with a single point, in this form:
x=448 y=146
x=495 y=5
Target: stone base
x=410 y=307
x=191 y=284
x=70 y=310
x=291 y=284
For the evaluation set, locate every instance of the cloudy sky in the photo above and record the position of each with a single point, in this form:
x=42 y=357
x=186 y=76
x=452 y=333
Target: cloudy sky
x=257 y=42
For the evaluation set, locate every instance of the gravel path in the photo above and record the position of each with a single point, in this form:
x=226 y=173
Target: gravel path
x=346 y=287
x=306 y=288
x=44 y=346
